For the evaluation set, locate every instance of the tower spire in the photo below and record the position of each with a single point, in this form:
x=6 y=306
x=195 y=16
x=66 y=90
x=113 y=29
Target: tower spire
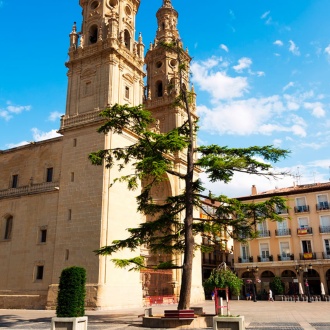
x=167 y=18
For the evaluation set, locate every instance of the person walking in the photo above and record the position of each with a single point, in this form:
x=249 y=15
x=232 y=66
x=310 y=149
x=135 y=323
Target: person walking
x=270 y=295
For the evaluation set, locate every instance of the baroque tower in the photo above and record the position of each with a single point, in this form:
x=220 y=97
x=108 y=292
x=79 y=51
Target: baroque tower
x=164 y=80
x=105 y=67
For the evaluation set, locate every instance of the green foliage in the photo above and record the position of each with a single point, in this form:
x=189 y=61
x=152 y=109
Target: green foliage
x=71 y=294
x=155 y=157
x=224 y=278
x=276 y=285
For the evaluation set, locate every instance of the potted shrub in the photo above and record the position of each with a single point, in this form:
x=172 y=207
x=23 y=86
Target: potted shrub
x=223 y=277
x=70 y=310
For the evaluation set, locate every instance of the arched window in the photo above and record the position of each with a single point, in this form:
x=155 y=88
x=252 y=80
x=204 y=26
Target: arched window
x=159 y=89
x=127 y=40
x=93 y=32
x=8 y=227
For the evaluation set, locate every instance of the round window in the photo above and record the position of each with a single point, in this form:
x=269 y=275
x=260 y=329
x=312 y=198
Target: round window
x=94 y=5
x=159 y=64
x=113 y=3
x=173 y=62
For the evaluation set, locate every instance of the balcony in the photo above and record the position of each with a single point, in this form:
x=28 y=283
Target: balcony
x=326 y=255
x=301 y=209
x=245 y=259
x=264 y=233
x=305 y=231
x=283 y=232
x=281 y=211
x=307 y=256
x=324 y=229
x=265 y=259
x=29 y=190
x=322 y=206
x=285 y=257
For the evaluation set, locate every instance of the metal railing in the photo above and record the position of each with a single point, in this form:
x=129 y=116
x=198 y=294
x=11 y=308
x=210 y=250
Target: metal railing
x=324 y=229
x=307 y=256
x=301 y=208
x=305 y=231
x=265 y=259
x=322 y=206
x=264 y=233
x=283 y=232
x=244 y=260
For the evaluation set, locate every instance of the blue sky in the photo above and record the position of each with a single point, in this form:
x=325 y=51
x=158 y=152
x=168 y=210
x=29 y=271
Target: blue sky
x=260 y=69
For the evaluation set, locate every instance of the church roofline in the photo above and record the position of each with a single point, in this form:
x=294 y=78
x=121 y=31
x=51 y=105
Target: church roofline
x=31 y=144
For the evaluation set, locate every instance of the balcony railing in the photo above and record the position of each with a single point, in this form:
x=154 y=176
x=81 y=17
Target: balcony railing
x=305 y=231
x=326 y=255
x=281 y=211
x=265 y=259
x=264 y=233
x=281 y=257
x=283 y=232
x=28 y=190
x=322 y=206
x=307 y=256
x=246 y=259
x=301 y=208
x=324 y=229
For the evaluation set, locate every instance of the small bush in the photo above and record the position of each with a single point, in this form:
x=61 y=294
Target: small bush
x=71 y=294
x=277 y=285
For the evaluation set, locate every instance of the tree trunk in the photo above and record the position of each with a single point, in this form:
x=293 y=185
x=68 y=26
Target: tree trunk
x=186 y=280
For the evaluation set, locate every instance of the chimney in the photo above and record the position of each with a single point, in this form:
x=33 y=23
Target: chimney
x=254 y=190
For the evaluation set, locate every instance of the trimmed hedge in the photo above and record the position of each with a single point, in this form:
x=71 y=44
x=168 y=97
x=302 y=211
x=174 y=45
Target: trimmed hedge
x=72 y=292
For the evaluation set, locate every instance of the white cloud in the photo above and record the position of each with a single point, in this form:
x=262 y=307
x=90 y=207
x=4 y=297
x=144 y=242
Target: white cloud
x=287 y=86
x=243 y=63
x=218 y=83
x=293 y=48
x=327 y=50
x=38 y=135
x=316 y=107
x=265 y=14
x=277 y=142
x=9 y=110
x=15 y=145
x=278 y=42
x=224 y=47
x=54 y=115
x=5 y=115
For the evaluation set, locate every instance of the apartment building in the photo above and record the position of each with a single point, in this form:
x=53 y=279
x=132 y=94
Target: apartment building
x=296 y=249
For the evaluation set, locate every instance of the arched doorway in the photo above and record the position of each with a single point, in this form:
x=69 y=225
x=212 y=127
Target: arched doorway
x=291 y=285
x=248 y=282
x=314 y=282
x=266 y=277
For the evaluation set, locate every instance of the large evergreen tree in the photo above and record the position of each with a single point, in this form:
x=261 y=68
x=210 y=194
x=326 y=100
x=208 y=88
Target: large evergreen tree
x=151 y=157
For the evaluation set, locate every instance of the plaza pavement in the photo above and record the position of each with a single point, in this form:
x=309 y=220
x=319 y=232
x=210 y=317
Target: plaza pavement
x=261 y=315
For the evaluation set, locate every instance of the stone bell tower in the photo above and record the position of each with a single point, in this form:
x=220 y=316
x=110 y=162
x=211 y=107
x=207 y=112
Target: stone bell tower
x=105 y=62
x=163 y=72
x=105 y=67
x=163 y=87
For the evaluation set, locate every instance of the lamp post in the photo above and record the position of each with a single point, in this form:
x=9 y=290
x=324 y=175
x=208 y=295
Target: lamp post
x=254 y=271
x=302 y=270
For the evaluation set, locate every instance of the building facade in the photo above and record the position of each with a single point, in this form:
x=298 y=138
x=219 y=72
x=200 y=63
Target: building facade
x=55 y=207
x=296 y=249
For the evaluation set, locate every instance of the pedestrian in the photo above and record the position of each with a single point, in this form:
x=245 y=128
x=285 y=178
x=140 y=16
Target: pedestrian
x=270 y=295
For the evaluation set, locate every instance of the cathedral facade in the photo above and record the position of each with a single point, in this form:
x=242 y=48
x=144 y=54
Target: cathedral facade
x=55 y=207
